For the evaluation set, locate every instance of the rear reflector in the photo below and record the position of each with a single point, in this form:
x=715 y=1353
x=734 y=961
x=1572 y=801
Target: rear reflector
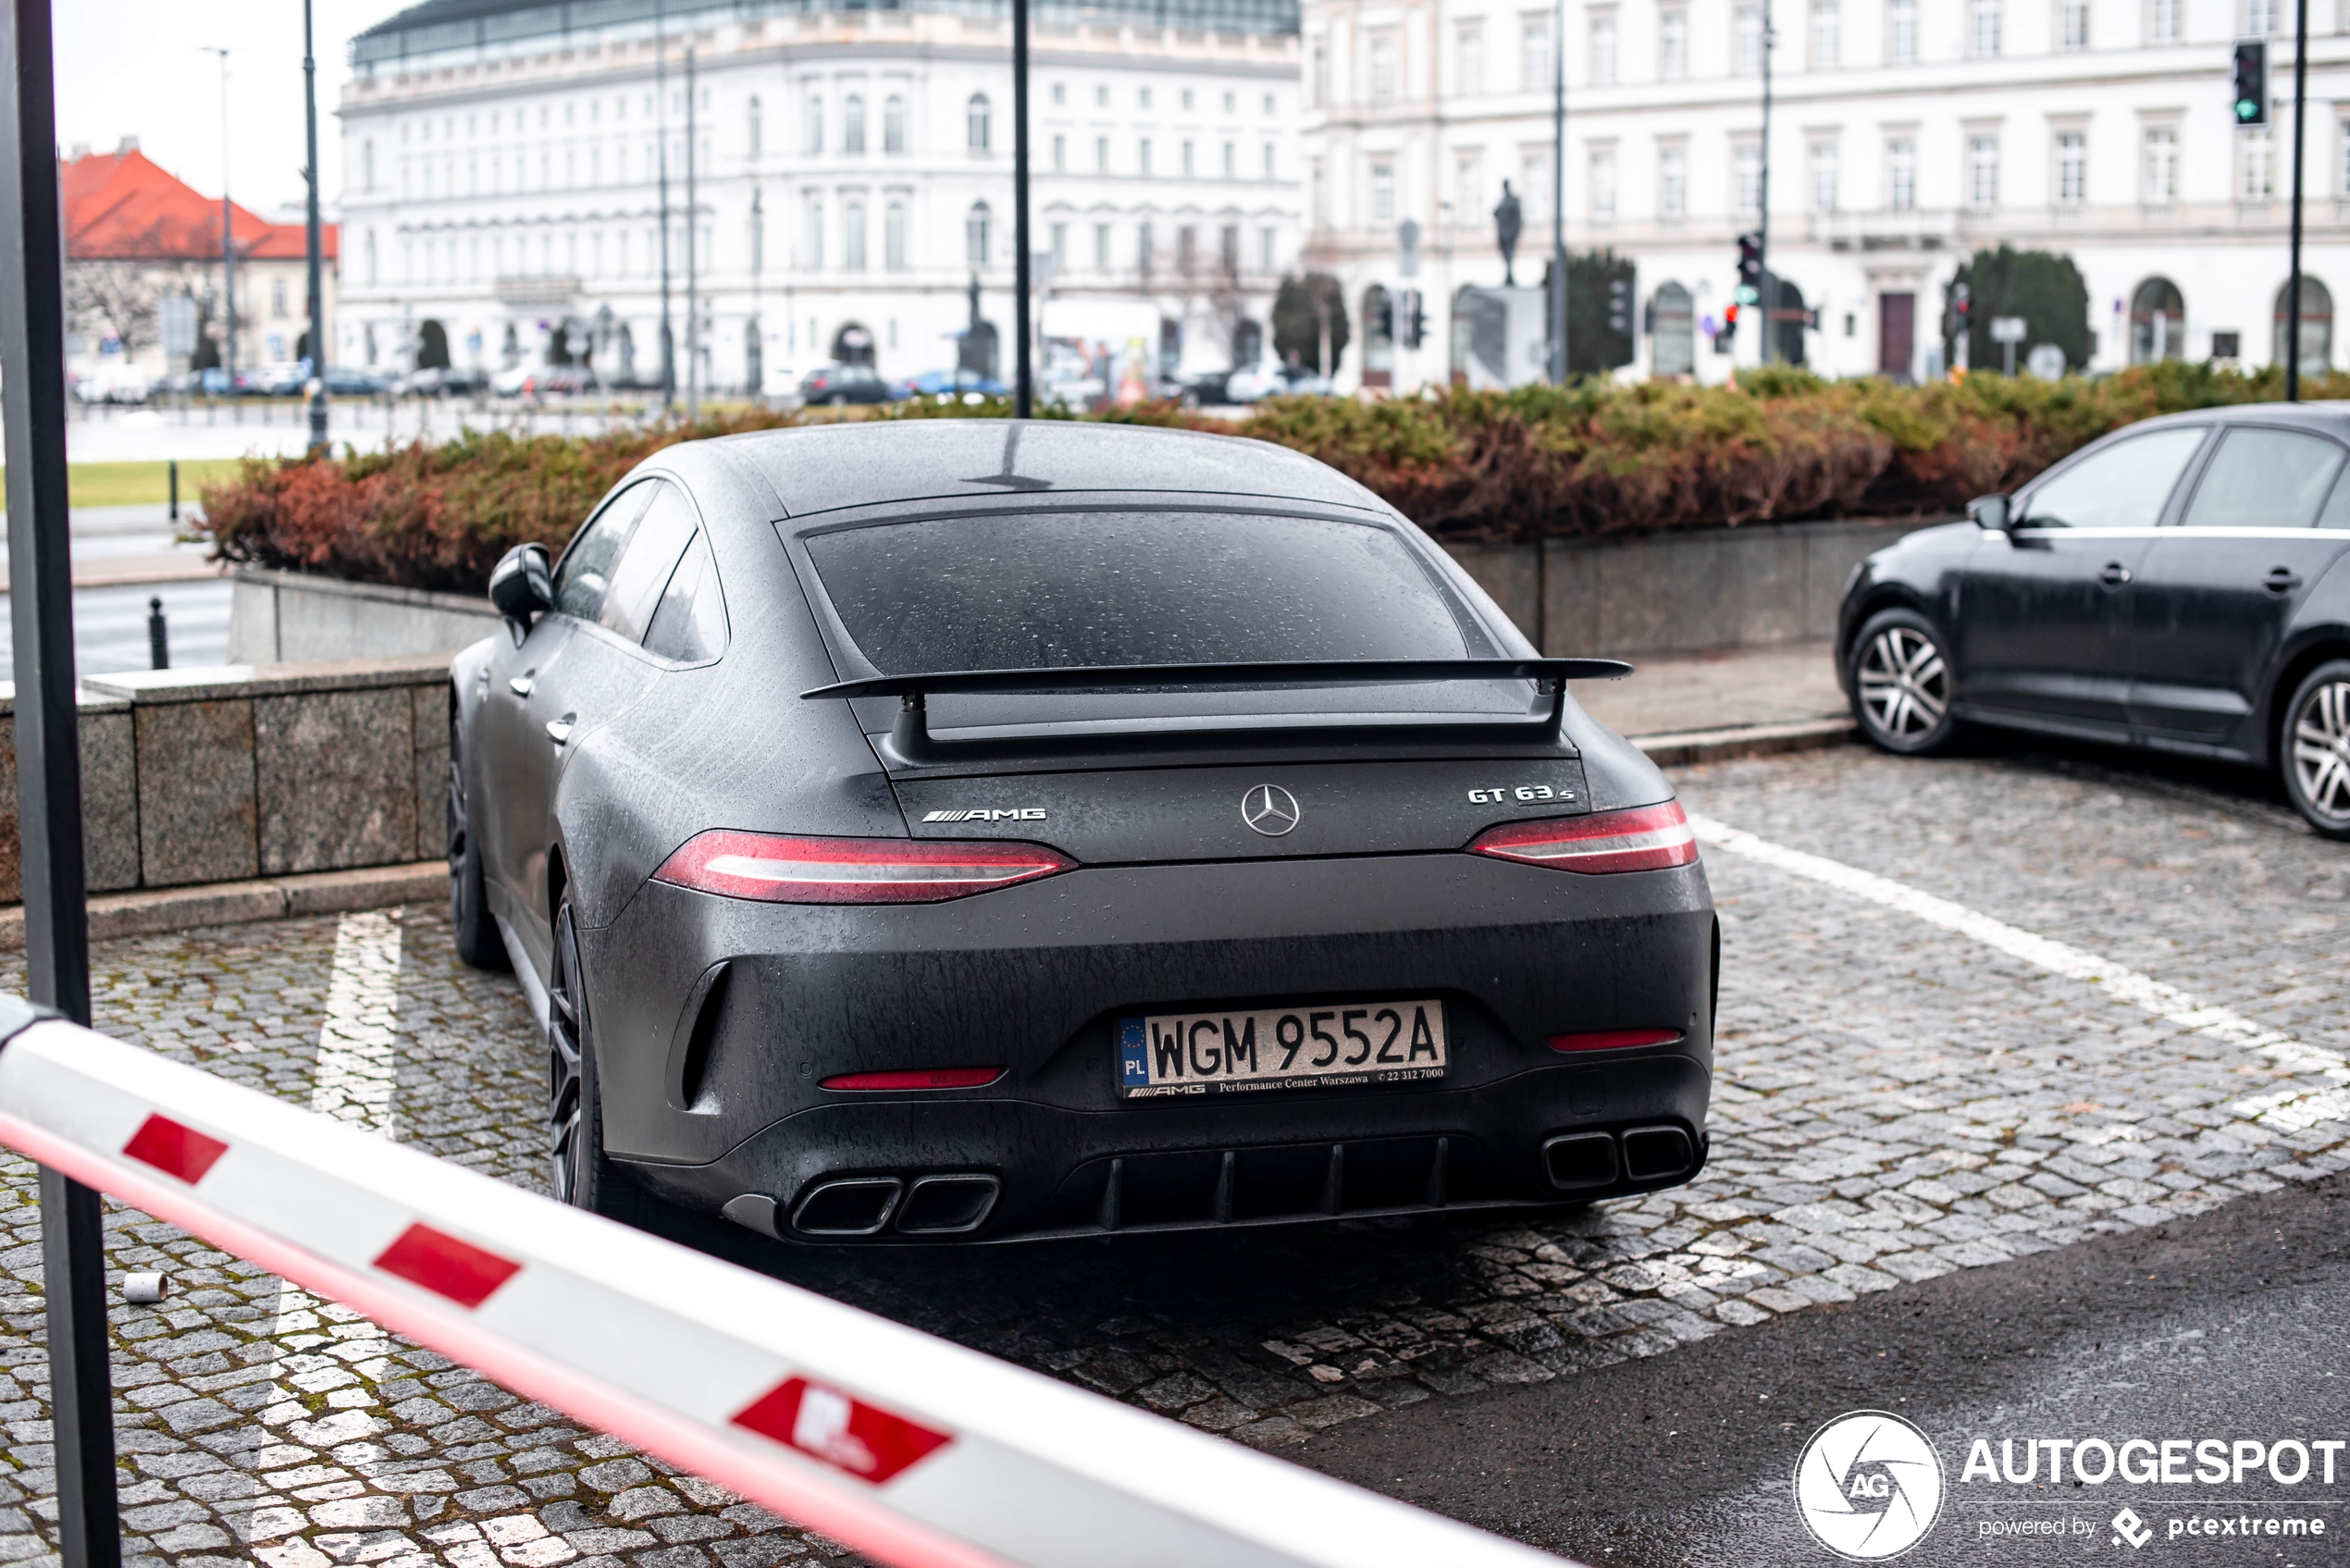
x=1614 y=1038
x=780 y=869
x=1649 y=839
x=921 y=1078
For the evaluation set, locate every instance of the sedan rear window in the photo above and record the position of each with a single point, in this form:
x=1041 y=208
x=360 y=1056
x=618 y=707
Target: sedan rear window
x=1058 y=590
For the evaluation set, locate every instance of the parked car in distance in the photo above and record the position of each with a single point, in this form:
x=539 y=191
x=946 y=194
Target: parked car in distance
x=112 y=384
x=344 y=382
x=1208 y=388
x=1063 y=829
x=931 y=383
x=1267 y=379
x=841 y=384
x=2178 y=586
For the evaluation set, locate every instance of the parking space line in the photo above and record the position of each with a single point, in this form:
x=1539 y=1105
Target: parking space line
x=2289 y=1110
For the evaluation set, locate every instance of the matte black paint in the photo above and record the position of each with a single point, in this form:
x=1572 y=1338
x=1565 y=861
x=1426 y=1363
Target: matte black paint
x=716 y=1019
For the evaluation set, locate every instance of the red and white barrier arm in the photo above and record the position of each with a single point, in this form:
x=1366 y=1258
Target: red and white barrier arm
x=907 y=1447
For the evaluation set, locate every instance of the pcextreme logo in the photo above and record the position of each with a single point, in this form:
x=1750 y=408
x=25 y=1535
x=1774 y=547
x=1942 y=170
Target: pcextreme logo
x=1868 y=1486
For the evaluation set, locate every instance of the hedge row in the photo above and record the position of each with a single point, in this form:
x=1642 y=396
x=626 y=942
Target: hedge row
x=1591 y=458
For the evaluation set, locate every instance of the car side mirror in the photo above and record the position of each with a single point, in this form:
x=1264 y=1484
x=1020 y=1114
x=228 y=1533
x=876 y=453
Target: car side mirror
x=521 y=587
x=1989 y=513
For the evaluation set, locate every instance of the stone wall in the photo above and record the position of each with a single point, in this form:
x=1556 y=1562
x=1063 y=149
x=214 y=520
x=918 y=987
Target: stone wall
x=1682 y=591
x=279 y=617
x=212 y=776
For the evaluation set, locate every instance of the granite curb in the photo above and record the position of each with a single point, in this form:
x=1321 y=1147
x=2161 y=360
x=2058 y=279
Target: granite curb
x=149 y=911
x=1691 y=747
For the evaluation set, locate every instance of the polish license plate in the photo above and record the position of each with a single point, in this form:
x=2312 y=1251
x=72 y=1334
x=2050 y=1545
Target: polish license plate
x=1282 y=1047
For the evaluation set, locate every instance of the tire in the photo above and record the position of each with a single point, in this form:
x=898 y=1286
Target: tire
x=579 y=1172
x=1898 y=673
x=473 y=933
x=2313 y=749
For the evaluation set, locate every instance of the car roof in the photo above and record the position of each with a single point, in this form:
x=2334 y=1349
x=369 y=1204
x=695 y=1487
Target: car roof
x=2331 y=416
x=825 y=468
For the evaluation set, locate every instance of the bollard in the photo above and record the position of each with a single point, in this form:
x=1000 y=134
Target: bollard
x=158 y=636
x=175 y=490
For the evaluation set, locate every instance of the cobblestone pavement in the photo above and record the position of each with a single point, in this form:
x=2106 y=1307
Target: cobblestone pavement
x=1896 y=1099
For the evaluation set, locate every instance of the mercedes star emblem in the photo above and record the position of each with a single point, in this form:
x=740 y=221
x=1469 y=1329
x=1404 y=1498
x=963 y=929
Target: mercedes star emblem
x=1270 y=809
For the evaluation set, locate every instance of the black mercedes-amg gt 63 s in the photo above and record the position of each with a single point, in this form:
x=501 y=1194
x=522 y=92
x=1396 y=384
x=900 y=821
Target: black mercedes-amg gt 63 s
x=975 y=830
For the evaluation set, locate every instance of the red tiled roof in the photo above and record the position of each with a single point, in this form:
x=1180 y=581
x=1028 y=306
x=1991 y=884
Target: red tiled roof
x=120 y=207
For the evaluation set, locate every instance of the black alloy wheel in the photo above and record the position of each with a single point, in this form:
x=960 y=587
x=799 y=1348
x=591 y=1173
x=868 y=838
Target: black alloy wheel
x=2316 y=748
x=1900 y=682
x=579 y=1171
x=474 y=933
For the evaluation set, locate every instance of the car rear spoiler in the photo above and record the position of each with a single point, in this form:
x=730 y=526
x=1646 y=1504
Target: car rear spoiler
x=912 y=738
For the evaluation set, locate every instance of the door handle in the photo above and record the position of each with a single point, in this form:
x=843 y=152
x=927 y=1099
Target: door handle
x=521 y=685
x=2281 y=580
x=2114 y=574
x=558 y=730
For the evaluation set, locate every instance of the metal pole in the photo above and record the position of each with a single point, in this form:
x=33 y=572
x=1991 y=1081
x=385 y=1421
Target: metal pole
x=56 y=933
x=660 y=137
x=2293 y=286
x=1023 y=389
x=317 y=285
x=228 y=234
x=1763 y=226
x=1558 y=195
x=693 y=258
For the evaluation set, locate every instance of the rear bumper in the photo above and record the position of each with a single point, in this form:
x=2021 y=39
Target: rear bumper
x=717 y=1020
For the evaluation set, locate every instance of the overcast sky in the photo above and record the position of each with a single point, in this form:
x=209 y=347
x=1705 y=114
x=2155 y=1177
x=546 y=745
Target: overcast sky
x=136 y=67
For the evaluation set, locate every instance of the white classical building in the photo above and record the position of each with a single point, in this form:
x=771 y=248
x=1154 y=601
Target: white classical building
x=851 y=171
x=1906 y=135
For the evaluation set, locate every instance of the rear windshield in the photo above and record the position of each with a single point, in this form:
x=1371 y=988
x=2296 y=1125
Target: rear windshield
x=1130 y=588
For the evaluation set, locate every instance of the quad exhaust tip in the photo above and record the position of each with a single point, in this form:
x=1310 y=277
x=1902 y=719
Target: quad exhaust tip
x=866 y=1205
x=1587 y=1161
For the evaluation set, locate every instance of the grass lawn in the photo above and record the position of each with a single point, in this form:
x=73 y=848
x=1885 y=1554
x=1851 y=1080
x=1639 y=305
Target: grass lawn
x=130 y=484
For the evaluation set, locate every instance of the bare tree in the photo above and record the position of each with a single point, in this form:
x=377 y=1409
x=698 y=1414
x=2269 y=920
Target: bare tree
x=115 y=299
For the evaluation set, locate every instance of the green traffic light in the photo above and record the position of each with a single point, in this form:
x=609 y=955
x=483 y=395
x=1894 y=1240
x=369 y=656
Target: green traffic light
x=2247 y=110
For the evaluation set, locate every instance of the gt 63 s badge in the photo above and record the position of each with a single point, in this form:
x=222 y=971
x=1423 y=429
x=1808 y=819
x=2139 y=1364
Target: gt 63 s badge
x=1868 y=1486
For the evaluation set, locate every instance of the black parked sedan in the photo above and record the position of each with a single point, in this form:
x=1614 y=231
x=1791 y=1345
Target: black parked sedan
x=990 y=828
x=2178 y=585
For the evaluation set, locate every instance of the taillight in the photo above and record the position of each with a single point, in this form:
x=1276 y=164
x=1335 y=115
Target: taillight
x=918 y=1078
x=781 y=870
x=1646 y=839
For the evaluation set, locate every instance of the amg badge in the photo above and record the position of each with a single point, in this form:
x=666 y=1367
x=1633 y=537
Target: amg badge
x=1024 y=814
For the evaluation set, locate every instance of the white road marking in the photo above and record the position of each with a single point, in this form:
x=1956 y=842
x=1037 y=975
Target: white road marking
x=2288 y=1109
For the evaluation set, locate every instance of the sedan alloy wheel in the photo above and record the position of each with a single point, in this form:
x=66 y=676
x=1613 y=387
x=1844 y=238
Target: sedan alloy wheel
x=2317 y=750
x=1901 y=682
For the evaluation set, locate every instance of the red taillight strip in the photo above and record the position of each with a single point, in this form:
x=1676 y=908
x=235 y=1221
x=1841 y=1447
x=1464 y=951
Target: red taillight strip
x=1613 y=1039
x=780 y=869
x=1649 y=838
x=918 y=1078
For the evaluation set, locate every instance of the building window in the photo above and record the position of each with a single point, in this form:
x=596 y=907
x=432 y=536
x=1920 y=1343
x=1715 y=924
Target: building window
x=1902 y=31
x=371 y=258
x=1383 y=67
x=1534 y=52
x=1468 y=59
x=1469 y=189
x=1231 y=160
x=1100 y=247
x=1599 y=182
x=2071 y=169
x=1142 y=156
x=976 y=236
x=2259 y=18
x=1268 y=248
x=852 y=235
x=1060 y=154
x=815 y=122
x=1983 y=30
x=1187 y=249
x=1983 y=171
x=1188 y=159
x=975 y=123
x=1672 y=44
x=1145 y=253
x=852 y=124
x=1746 y=40
x=751 y=128
x=1673 y=181
x=366 y=166
x=2073 y=25
x=2162 y=20
x=1101 y=96
x=1382 y=193
x=1827 y=34
x=1317 y=72
x=1143 y=96
x=1745 y=169
x=1101 y=154
x=815 y=232
x=1060 y=248
x=1060 y=93
x=893 y=124
x=2159 y=178
x=1603 y=48
x=893 y=237
x=1901 y=174
x=1270 y=163
x=1823 y=170
x=1228 y=249
x=2257 y=154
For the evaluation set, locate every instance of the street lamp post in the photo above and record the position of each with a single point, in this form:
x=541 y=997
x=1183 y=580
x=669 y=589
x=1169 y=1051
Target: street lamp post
x=1023 y=363
x=1769 y=302
x=1558 y=195
x=661 y=140
x=693 y=259
x=2293 y=286
x=228 y=232
x=317 y=284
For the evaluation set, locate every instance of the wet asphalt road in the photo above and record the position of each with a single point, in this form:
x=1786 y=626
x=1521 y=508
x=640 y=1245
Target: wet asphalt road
x=2230 y=1324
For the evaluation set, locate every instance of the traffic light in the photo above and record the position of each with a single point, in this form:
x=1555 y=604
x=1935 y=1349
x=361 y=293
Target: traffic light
x=1750 y=291
x=1382 y=314
x=2251 y=100
x=1730 y=332
x=1961 y=309
x=1410 y=318
x=1619 y=306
